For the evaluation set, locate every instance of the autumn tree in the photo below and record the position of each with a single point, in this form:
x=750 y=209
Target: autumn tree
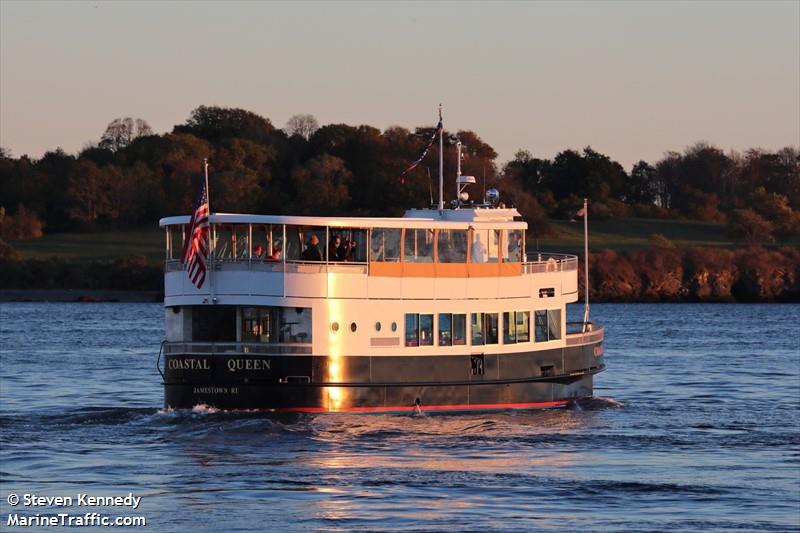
x=775 y=209
x=748 y=226
x=90 y=193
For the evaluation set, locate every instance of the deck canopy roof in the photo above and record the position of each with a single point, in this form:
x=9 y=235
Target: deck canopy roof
x=415 y=218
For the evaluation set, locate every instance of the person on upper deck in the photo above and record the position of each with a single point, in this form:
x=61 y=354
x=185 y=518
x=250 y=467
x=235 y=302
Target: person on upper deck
x=312 y=251
x=333 y=249
x=347 y=251
x=514 y=247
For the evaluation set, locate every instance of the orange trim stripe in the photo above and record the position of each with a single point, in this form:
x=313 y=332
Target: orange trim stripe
x=402 y=408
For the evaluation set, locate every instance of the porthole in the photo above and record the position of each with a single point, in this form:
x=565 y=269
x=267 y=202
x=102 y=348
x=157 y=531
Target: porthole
x=377 y=326
x=334 y=326
x=394 y=326
x=353 y=327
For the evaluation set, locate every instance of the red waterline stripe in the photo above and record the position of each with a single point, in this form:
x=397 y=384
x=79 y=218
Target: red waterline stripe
x=401 y=408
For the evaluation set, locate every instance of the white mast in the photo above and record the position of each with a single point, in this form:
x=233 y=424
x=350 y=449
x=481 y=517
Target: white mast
x=441 y=162
x=213 y=238
x=586 y=264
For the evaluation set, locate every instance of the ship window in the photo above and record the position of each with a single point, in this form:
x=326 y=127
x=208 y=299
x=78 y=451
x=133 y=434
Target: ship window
x=351 y=247
x=334 y=327
x=477 y=328
x=547 y=293
x=353 y=327
x=516 y=327
x=214 y=324
x=490 y=327
x=385 y=245
x=240 y=242
x=377 y=326
x=223 y=241
x=513 y=246
x=548 y=325
x=459 y=329
x=412 y=329
x=523 y=319
x=485 y=246
x=277 y=324
x=174 y=242
x=419 y=245
x=452 y=246
x=394 y=326
x=306 y=243
x=484 y=328
x=509 y=328
x=494 y=246
x=426 y=330
x=267 y=242
x=479 y=247
x=445 y=329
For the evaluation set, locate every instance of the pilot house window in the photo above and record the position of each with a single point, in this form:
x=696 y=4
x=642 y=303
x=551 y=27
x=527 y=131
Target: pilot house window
x=452 y=246
x=419 y=245
x=385 y=245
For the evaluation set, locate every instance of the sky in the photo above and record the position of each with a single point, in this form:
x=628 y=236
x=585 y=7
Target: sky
x=632 y=80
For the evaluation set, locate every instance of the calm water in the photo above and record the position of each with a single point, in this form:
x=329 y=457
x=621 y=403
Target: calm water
x=697 y=428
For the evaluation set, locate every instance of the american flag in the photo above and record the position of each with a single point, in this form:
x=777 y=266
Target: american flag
x=196 y=243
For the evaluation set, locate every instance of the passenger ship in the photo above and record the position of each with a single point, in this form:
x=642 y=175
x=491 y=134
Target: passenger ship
x=442 y=309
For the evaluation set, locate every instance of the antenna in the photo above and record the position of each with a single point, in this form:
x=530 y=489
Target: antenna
x=430 y=185
x=458 y=171
x=441 y=160
x=484 y=182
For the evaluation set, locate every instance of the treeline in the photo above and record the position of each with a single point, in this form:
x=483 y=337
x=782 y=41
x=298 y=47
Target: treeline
x=695 y=275
x=656 y=275
x=132 y=177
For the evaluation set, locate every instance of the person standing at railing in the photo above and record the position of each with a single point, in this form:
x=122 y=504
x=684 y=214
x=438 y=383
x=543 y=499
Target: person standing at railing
x=312 y=251
x=335 y=249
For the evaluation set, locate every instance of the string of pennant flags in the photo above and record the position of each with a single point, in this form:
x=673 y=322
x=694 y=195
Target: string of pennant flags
x=416 y=163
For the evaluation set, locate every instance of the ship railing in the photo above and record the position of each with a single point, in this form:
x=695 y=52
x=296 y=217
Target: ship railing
x=576 y=334
x=550 y=263
x=540 y=263
x=235 y=348
x=289 y=266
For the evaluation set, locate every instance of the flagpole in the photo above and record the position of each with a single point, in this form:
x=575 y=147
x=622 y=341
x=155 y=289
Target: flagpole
x=441 y=161
x=585 y=264
x=213 y=237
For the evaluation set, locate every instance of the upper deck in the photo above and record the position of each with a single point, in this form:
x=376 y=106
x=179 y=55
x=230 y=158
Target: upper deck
x=427 y=254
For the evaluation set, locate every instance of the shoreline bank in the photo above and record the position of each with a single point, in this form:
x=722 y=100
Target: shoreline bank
x=80 y=295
